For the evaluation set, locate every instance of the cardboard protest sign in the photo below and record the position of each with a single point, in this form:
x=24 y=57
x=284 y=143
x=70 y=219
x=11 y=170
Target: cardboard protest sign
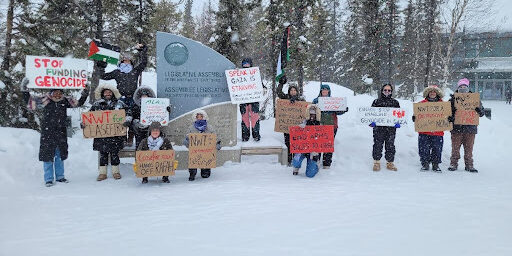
x=50 y=72
x=245 y=85
x=432 y=116
x=202 y=150
x=312 y=138
x=154 y=163
x=383 y=116
x=332 y=103
x=289 y=114
x=465 y=104
x=154 y=110
x=101 y=124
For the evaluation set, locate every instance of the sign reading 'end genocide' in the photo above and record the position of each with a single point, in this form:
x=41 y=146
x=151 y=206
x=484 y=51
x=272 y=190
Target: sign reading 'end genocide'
x=312 y=138
x=154 y=110
x=383 y=116
x=432 y=116
x=51 y=72
x=289 y=114
x=102 y=124
x=202 y=150
x=245 y=85
x=465 y=104
x=154 y=163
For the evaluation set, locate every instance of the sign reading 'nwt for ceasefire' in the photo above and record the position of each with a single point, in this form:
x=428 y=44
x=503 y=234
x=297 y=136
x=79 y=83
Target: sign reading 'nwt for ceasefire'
x=102 y=124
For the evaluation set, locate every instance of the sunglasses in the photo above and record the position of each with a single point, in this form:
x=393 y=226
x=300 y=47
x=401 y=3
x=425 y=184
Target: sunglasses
x=386 y=90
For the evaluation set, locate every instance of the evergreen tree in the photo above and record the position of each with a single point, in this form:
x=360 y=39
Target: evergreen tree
x=206 y=25
x=188 y=28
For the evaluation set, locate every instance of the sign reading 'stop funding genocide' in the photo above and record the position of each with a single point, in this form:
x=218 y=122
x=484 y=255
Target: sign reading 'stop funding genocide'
x=189 y=73
x=51 y=72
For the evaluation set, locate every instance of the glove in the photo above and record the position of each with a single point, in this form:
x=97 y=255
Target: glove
x=24 y=84
x=283 y=79
x=218 y=146
x=169 y=109
x=127 y=123
x=85 y=92
x=397 y=125
x=141 y=47
x=303 y=125
x=82 y=125
x=101 y=64
x=293 y=99
x=414 y=118
x=373 y=124
x=346 y=110
x=478 y=110
x=313 y=154
x=451 y=119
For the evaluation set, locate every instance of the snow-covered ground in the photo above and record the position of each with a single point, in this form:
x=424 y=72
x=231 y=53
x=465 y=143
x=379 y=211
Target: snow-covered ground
x=258 y=208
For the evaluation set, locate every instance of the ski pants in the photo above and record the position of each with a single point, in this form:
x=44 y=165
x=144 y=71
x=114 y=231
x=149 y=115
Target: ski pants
x=384 y=137
x=114 y=158
x=430 y=148
x=327 y=157
x=205 y=173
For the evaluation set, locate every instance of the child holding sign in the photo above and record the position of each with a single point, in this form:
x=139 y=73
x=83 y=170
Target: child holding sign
x=328 y=118
x=53 y=149
x=109 y=147
x=155 y=141
x=199 y=125
x=463 y=135
x=430 y=144
x=313 y=115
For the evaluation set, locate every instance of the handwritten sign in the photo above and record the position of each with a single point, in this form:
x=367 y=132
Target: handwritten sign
x=154 y=163
x=245 y=85
x=383 y=116
x=465 y=103
x=289 y=114
x=332 y=103
x=202 y=151
x=312 y=138
x=432 y=116
x=154 y=110
x=102 y=124
x=51 y=72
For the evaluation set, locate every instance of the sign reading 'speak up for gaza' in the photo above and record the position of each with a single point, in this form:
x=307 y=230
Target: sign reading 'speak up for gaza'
x=51 y=72
x=245 y=85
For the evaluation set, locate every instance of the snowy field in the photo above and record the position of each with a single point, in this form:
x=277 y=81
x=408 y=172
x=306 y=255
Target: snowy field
x=258 y=208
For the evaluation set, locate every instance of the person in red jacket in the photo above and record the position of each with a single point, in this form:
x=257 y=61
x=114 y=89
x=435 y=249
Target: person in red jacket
x=430 y=144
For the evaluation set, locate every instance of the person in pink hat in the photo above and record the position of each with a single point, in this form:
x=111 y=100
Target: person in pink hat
x=463 y=135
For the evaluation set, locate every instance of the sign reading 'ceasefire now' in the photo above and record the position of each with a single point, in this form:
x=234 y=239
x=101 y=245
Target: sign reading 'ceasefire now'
x=102 y=124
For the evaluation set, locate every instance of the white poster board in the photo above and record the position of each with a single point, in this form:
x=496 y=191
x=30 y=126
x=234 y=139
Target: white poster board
x=52 y=72
x=154 y=110
x=332 y=103
x=383 y=116
x=245 y=85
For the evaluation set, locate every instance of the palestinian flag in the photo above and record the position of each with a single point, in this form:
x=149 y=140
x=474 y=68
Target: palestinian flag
x=284 y=54
x=104 y=52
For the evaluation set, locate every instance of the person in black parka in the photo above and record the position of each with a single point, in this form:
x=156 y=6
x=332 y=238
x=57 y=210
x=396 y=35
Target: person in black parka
x=384 y=135
x=108 y=96
x=53 y=148
x=250 y=113
x=293 y=95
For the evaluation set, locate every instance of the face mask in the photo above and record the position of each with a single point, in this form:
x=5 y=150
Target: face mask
x=463 y=89
x=125 y=67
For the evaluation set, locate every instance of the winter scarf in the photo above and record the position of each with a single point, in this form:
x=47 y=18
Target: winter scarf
x=200 y=125
x=155 y=144
x=125 y=67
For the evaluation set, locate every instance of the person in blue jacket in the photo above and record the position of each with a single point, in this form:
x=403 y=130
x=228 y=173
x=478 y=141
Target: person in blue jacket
x=313 y=117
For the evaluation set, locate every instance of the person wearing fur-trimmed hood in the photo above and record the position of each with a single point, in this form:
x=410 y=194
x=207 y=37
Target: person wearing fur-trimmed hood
x=155 y=140
x=313 y=117
x=430 y=144
x=328 y=118
x=53 y=146
x=109 y=147
x=199 y=125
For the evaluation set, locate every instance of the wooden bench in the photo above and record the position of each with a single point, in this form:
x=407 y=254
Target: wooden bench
x=282 y=153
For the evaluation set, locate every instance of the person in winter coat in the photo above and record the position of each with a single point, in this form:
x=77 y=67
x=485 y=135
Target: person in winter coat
x=155 y=141
x=384 y=135
x=463 y=135
x=199 y=125
x=53 y=146
x=313 y=116
x=430 y=144
x=127 y=78
x=109 y=147
x=508 y=96
x=293 y=95
x=328 y=118
x=250 y=114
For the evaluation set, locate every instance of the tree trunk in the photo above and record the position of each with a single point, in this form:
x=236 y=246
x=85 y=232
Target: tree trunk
x=431 y=9
x=8 y=37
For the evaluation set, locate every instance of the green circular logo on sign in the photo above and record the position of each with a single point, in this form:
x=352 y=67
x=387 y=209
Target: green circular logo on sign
x=176 y=54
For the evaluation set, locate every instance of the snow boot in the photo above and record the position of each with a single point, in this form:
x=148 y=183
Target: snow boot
x=103 y=173
x=49 y=183
x=435 y=167
x=452 y=168
x=115 y=172
x=376 y=165
x=390 y=166
x=257 y=139
x=205 y=173
x=63 y=180
x=424 y=167
x=192 y=175
x=471 y=169
x=144 y=180
x=165 y=179
x=326 y=166
x=295 y=171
